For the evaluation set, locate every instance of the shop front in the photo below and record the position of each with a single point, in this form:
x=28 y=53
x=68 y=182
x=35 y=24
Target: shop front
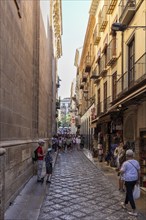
x=143 y=158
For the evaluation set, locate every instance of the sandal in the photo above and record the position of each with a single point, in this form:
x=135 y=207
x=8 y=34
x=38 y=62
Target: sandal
x=123 y=205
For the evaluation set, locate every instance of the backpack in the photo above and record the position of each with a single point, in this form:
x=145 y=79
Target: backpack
x=35 y=155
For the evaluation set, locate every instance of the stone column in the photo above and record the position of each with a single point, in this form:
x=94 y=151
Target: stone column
x=2 y=183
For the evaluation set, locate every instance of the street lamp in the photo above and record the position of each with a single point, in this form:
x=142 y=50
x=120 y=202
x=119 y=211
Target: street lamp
x=123 y=27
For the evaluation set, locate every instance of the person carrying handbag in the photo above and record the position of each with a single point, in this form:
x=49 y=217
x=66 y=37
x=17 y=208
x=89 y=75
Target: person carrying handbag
x=130 y=171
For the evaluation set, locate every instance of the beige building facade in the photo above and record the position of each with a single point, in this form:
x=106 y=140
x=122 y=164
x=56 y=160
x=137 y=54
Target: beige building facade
x=73 y=108
x=112 y=77
x=27 y=68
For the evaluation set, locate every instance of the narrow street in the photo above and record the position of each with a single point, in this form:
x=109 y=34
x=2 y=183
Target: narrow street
x=79 y=190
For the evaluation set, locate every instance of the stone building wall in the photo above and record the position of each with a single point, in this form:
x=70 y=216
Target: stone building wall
x=44 y=82
x=16 y=55
x=25 y=80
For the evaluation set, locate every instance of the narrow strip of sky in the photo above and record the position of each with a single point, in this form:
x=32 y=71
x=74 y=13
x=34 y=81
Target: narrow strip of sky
x=75 y=14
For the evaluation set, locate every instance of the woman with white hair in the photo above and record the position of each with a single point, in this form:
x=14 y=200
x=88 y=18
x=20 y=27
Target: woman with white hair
x=48 y=162
x=130 y=170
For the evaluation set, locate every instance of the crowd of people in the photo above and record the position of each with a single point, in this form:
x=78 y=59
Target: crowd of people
x=60 y=143
x=65 y=142
x=127 y=167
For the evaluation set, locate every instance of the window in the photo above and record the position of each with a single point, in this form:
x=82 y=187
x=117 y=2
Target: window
x=114 y=86
x=98 y=105
x=105 y=96
x=131 y=61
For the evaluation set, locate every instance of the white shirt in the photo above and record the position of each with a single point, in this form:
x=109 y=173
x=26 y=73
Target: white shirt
x=130 y=169
x=78 y=140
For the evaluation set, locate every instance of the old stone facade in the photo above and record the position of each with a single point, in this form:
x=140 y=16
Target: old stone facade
x=26 y=82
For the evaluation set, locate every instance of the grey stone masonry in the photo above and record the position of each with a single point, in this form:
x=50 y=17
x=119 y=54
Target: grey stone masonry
x=2 y=180
x=79 y=190
x=25 y=85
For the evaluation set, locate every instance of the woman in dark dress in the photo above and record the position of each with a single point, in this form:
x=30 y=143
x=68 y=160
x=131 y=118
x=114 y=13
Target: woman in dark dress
x=48 y=161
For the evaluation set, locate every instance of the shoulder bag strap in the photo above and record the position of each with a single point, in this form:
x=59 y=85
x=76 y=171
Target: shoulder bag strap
x=135 y=168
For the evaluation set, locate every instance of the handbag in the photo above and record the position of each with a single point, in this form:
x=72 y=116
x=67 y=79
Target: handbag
x=136 y=191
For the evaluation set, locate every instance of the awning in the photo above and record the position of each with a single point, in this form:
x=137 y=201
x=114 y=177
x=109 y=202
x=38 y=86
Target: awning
x=129 y=97
x=104 y=119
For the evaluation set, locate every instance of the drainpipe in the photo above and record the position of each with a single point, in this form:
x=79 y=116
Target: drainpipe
x=122 y=69
x=122 y=61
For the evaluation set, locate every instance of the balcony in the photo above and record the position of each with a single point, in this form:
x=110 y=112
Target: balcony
x=131 y=81
x=127 y=10
x=88 y=64
x=111 y=52
x=74 y=98
x=106 y=104
x=99 y=109
x=104 y=20
x=96 y=35
x=84 y=77
x=57 y=104
x=82 y=86
x=103 y=68
x=111 y=6
x=95 y=73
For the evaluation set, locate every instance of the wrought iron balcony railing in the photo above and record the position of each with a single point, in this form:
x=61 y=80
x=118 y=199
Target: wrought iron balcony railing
x=88 y=64
x=95 y=73
x=133 y=78
x=84 y=77
x=106 y=104
x=99 y=109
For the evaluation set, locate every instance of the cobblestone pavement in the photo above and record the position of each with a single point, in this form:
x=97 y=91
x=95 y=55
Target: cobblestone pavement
x=79 y=190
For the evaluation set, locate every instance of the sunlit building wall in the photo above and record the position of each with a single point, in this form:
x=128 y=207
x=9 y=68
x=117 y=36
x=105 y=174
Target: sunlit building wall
x=112 y=74
x=73 y=108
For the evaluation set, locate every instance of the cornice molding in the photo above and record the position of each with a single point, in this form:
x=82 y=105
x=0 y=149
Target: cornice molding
x=87 y=40
x=57 y=25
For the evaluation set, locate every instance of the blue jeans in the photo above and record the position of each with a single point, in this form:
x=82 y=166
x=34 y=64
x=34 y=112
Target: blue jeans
x=129 y=193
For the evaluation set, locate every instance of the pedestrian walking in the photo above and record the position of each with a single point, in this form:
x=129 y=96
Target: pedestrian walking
x=82 y=142
x=40 y=155
x=78 y=142
x=131 y=173
x=48 y=162
x=122 y=159
x=100 y=152
x=68 y=142
x=73 y=142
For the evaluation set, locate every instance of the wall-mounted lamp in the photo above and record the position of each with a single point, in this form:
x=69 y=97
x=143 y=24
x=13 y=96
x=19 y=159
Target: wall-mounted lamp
x=123 y=27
